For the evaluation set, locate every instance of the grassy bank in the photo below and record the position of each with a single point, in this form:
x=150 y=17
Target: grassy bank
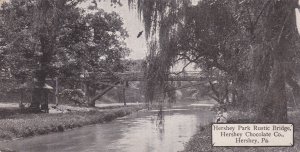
x=25 y=125
x=201 y=141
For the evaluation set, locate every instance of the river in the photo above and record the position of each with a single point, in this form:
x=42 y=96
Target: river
x=138 y=132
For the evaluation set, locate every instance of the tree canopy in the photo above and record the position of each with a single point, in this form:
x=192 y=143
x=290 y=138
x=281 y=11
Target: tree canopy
x=248 y=45
x=43 y=39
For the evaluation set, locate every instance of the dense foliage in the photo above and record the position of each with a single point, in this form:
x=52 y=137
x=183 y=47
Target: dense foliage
x=246 y=48
x=43 y=39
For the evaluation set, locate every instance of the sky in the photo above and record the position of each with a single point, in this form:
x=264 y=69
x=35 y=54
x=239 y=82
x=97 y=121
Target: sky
x=298 y=19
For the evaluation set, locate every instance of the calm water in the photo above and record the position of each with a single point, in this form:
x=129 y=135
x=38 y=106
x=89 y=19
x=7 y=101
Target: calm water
x=138 y=132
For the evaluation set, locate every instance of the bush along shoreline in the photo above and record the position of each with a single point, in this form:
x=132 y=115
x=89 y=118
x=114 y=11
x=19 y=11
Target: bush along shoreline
x=39 y=124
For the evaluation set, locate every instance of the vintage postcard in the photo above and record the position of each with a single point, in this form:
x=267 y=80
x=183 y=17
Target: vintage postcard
x=149 y=75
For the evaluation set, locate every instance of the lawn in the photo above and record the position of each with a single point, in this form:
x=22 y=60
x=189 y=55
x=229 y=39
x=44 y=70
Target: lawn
x=23 y=125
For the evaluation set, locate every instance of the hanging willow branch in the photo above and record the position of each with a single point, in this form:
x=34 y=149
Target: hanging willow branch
x=161 y=19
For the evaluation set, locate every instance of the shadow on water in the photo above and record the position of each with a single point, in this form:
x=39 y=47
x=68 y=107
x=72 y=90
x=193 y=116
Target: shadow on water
x=139 y=132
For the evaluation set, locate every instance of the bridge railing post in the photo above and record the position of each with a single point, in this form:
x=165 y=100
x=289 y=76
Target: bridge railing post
x=124 y=92
x=56 y=91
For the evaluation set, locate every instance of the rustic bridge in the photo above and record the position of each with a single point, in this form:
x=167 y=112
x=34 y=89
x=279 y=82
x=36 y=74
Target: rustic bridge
x=120 y=80
x=124 y=78
x=129 y=76
x=139 y=76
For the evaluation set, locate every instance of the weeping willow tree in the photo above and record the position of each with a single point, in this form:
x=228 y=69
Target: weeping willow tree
x=162 y=20
x=237 y=38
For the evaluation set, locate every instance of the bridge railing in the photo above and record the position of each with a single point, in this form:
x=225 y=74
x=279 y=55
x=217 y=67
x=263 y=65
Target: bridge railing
x=139 y=76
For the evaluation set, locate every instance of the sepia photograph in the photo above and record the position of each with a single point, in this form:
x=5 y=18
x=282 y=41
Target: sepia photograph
x=149 y=75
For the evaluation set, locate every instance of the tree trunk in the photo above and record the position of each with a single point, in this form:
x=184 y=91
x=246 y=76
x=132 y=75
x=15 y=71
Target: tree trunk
x=56 y=91
x=46 y=28
x=294 y=85
x=92 y=102
x=274 y=106
x=280 y=28
x=36 y=98
x=124 y=93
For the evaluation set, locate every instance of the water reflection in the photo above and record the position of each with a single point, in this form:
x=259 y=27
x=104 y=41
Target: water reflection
x=136 y=133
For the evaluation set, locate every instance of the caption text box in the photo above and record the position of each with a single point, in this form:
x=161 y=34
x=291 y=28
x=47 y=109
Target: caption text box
x=252 y=135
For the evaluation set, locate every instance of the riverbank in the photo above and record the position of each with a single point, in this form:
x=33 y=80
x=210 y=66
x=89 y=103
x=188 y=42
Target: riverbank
x=25 y=125
x=201 y=141
x=140 y=131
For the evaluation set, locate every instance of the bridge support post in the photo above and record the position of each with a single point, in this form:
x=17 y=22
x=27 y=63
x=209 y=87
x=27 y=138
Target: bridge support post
x=124 y=92
x=56 y=91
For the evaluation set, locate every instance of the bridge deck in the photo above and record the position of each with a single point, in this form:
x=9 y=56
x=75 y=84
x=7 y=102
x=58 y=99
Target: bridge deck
x=138 y=76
